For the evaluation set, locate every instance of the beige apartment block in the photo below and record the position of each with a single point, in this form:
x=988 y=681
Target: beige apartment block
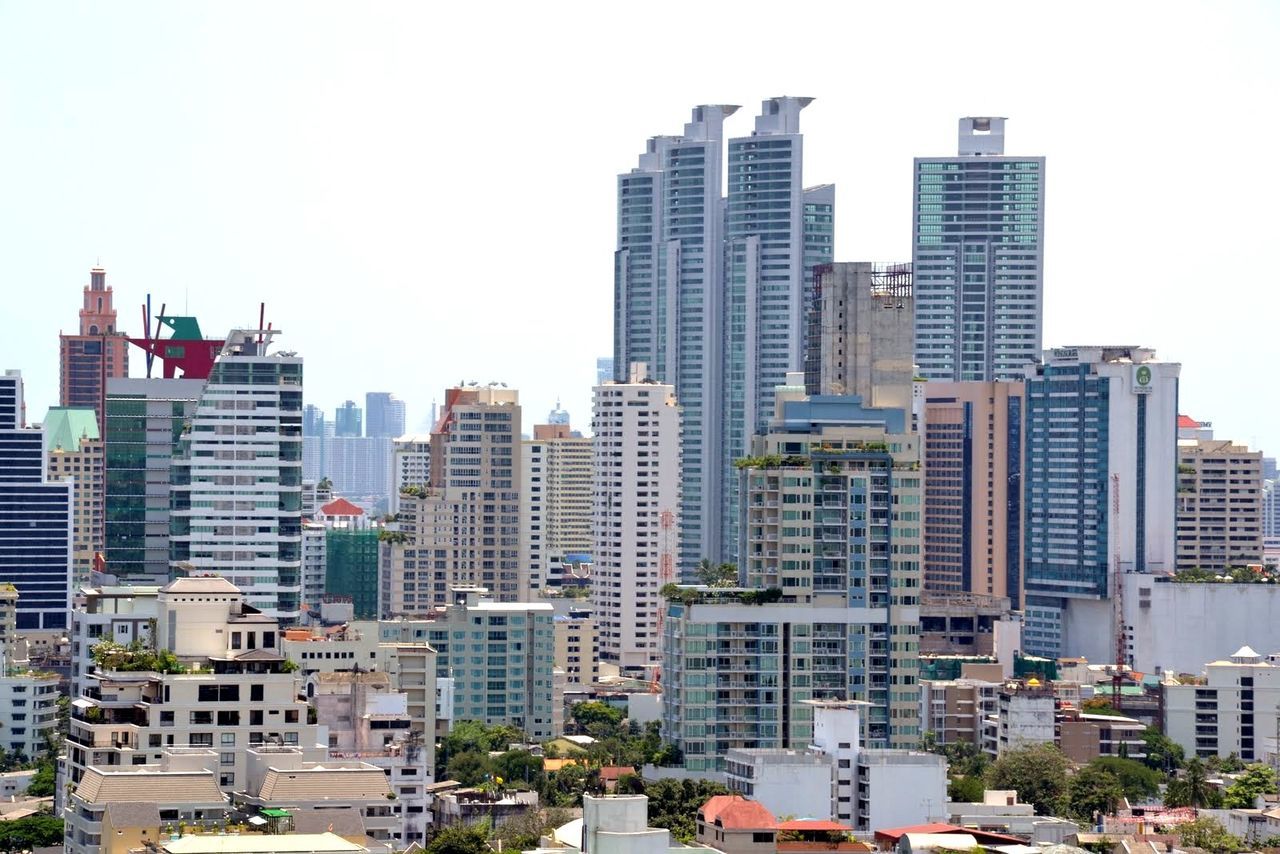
x=74 y=451
x=972 y=435
x=555 y=506
x=1219 y=505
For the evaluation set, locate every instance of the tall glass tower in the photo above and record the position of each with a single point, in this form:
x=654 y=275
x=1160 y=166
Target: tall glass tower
x=977 y=238
x=668 y=287
x=770 y=247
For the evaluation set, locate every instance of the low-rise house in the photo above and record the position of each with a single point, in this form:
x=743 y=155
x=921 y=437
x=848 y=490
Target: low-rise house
x=467 y=806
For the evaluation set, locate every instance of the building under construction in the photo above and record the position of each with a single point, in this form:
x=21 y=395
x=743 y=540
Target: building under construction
x=861 y=332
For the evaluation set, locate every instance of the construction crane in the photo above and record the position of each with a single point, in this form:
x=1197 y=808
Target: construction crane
x=1117 y=596
x=666 y=575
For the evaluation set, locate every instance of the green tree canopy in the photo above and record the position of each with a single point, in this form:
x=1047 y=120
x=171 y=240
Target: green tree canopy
x=1209 y=834
x=674 y=804
x=519 y=769
x=470 y=767
x=1038 y=772
x=596 y=712
x=1191 y=788
x=1163 y=753
x=27 y=834
x=1255 y=780
x=1139 y=781
x=460 y=839
x=1093 y=789
x=965 y=789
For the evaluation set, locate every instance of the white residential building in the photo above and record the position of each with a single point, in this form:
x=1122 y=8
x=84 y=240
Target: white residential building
x=225 y=687
x=28 y=710
x=1237 y=710
x=636 y=515
x=555 y=505
x=237 y=476
x=1024 y=716
x=119 y=613
x=315 y=563
x=410 y=464
x=577 y=648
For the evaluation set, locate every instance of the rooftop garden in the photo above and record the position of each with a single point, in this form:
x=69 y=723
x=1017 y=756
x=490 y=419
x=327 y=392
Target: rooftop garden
x=706 y=595
x=1256 y=574
x=134 y=657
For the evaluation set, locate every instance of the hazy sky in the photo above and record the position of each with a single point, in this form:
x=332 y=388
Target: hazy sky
x=423 y=193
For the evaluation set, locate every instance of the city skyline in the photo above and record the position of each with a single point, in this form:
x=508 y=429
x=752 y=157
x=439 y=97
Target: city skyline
x=336 y=202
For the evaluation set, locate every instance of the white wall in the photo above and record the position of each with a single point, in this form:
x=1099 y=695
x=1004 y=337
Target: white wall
x=1187 y=625
x=904 y=794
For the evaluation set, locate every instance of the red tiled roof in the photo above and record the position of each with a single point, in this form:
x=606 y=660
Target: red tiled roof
x=1186 y=421
x=613 y=772
x=893 y=834
x=734 y=812
x=812 y=824
x=341 y=507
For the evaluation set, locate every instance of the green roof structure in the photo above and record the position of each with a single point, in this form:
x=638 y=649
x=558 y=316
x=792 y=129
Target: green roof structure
x=66 y=426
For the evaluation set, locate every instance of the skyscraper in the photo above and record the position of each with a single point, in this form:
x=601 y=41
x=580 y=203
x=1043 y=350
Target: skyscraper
x=1099 y=485
x=35 y=518
x=315 y=460
x=555 y=505
x=709 y=292
x=348 y=420
x=237 y=476
x=463 y=529
x=384 y=414
x=978 y=252
x=635 y=515
x=98 y=353
x=73 y=448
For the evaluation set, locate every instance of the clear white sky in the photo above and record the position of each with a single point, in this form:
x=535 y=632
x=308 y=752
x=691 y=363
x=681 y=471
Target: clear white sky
x=424 y=192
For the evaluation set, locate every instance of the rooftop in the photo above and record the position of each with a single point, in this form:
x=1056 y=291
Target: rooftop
x=341 y=507
x=200 y=584
x=149 y=786
x=734 y=812
x=293 y=843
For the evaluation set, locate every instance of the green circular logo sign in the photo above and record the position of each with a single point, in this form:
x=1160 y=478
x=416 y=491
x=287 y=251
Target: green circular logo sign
x=1143 y=376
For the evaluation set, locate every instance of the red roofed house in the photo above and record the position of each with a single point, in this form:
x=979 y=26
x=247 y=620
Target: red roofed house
x=735 y=825
x=610 y=774
x=340 y=509
x=887 y=839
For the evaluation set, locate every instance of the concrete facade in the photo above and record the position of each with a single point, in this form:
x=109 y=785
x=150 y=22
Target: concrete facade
x=556 y=504
x=972 y=434
x=1235 y=711
x=635 y=515
x=74 y=450
x=1219 y=505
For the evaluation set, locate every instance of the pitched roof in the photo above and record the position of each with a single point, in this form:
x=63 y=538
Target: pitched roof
x=256 y=843
x=121 y=814
x=613 y=772
x=200 y=584
x=100 y=787
x=341 y=507
x=1187 y=422
x=65 y=426
x=734 y=812
x=344 y=822
x=893 y=834
x=323 y=783
x=813 y=824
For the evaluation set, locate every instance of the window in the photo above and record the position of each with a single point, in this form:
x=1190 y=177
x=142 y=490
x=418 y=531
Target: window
x=227 y=758
x=255 y=693
x=228 y=739
x=200 y=739
x=237 y=641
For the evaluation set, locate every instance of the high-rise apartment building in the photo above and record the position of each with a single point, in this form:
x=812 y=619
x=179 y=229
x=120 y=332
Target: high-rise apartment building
x=384 y=414
x=98 y=353
x=36 y=518
x=144 y=422
x=1099 y=490
x=1233 y=711
x=360 y=466
x=73 y=449
x=348 y=420
x=410 y=464
x=978 y=256
x=555 y=504
x=604 y=369
x=831 y=517
x=463 y=528
x=860 y=331
x=710 y=290
x=636 y=515
x=973 y=508
x=236 y=494
x=768 y=243
x=1219 y=505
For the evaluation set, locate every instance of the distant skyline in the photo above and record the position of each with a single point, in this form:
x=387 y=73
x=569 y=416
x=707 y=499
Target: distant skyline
x=422 y=195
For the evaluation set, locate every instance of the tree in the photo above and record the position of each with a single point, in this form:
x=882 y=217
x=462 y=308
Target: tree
x=719 y=575
x=470 y=768
x=965 y=790
x=1209 y=834
x=521 y=769
x=564 y=788
x=473 y=737
x=596 y=712
x=674 y=804
x=1163 y=753
x=460 y=839
x=30 y=833
x=1038 y=772
x=1192 y=788
x=43 y=783
x=1139 y=781
x=1257 y=779
x=524 y=831
x=1093 y=790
